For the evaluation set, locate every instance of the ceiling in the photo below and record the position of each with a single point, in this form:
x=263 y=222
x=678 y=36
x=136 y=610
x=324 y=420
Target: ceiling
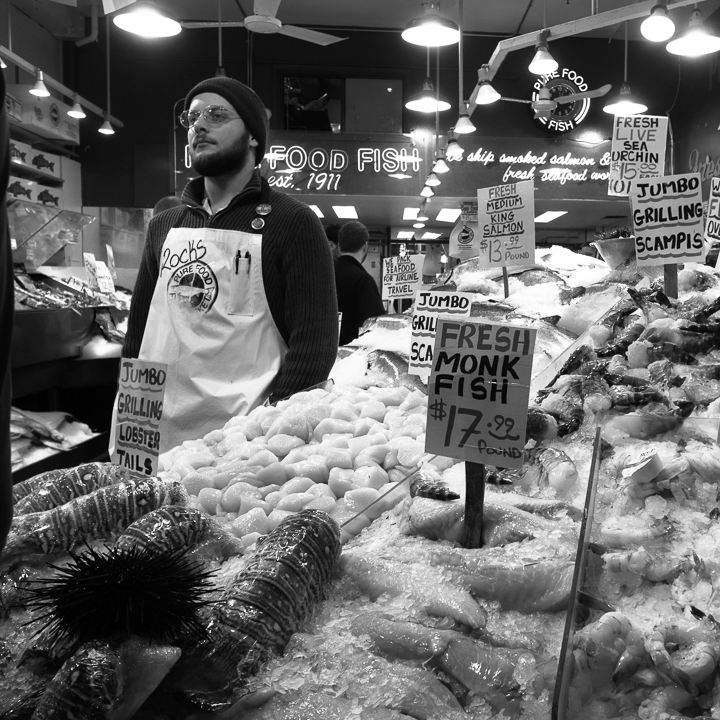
x=490 y=18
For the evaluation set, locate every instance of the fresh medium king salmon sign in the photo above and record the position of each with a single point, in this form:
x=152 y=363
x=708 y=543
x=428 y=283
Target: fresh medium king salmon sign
x=479 y=390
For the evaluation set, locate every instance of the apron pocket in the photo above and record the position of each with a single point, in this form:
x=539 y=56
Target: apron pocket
x=240 y=297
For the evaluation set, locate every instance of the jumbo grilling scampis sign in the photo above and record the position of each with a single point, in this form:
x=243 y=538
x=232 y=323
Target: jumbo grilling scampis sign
x=479 y=390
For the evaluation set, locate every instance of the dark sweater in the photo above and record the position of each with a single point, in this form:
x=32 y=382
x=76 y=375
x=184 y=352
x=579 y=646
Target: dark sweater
x=297 y=272
x=358 y=296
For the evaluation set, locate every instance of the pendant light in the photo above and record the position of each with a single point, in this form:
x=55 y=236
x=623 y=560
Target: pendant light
x=39 y=89
x=431 y=29
x=432 y=180
x=625 y=103
x=454 y=151
x=426 y=101
x=485 y=94
x=696 y=41
x=658 y=25
x=76 y=111
x=440 y=165
x=106 y=128
x=463 y=125
x=147 y=20
x=422 y=214
x=427 y=191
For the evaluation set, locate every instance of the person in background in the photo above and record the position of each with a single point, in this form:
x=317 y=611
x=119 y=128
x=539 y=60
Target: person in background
x=7 y=302
x=235 y=290
x=166 y=202
x=331 y=231
x=357 y=294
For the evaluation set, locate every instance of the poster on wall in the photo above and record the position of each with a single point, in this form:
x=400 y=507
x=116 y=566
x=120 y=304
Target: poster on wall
x=668 y=220
x=506 y=220
x=637 y=152
x=402 y=276
x=465 y=236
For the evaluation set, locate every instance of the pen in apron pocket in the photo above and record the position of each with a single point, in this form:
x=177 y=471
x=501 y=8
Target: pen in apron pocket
x=248 y=257
x=237 y=261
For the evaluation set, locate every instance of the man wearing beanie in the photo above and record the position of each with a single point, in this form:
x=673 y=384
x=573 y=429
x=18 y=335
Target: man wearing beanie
x=358 y=295
x=235 y=291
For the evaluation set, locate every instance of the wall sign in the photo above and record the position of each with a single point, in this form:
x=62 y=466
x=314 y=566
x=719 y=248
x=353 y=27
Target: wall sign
x=568 y=116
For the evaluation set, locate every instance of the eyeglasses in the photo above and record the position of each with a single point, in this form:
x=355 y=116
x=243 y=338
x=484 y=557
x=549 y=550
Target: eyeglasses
x=213 y=115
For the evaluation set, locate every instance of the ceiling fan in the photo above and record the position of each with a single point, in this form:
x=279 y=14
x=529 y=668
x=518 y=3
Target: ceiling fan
x=264 y=20
x=548 y=98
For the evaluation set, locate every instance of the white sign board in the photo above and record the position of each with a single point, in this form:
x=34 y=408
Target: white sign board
x=712 y=221
x=506 y=219
x=402 y=276
x=465 y=236
x=430 y=305
x=141 y=391
x=668 y=220
x=479 y=390
x=637 y=151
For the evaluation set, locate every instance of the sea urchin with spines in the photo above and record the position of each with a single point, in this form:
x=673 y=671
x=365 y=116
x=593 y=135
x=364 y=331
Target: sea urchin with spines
x=156 y=595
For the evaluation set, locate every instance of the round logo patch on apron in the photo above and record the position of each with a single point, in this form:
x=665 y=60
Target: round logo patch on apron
x=193 y=287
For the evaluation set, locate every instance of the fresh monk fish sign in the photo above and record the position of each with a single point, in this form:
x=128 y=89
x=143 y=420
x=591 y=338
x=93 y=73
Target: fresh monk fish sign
x=479 y=390
x=668 y=219
x=141 y=390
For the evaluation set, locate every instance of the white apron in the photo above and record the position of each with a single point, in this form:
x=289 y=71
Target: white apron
x=209 y=320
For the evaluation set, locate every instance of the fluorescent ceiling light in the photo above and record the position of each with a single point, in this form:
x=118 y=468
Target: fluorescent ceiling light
x=550 y=215
x=430 y=236
x=146 y=20
x=410 y=213
x=316 y=210
x=448 y=215
x=405 y=234
x=345 y=212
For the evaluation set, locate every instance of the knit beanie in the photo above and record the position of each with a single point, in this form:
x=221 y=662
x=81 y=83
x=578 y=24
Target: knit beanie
x=246 y=102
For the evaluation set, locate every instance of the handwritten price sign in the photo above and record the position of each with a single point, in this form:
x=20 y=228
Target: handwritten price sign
x=506 y=220
x=478 y=392
x=402 y=276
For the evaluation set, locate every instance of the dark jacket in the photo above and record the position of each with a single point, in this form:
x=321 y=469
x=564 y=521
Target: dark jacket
x=297 y=272
x=358 y=296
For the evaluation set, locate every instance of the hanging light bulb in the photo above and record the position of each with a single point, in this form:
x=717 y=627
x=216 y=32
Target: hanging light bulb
x=426 y=101
x=486 y=94
x=658 y=26
x=696 y=41
x=427 y=191
x=440 y=165
x=147 y=20
x=3 y=64
x=624 y=103
x=464 y=125
x=76 y=111
x=543 y=63
x=106 y=128
x=39 y=89
x=432 y=180
x=431 y=29
x=454 y=150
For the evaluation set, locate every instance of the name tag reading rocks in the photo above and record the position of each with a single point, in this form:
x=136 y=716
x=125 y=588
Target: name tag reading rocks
x=478 y=392
x=139 y=414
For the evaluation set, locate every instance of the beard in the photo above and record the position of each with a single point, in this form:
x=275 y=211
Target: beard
x=215 y=162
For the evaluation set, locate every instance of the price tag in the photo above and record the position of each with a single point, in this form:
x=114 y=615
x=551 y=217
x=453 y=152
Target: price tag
x=637 y=151
x=668 y=219
x=479 y=390
x=141 y=390
x=402 y=276
x=506 y=220
x=104 y=278
x=430 y=305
